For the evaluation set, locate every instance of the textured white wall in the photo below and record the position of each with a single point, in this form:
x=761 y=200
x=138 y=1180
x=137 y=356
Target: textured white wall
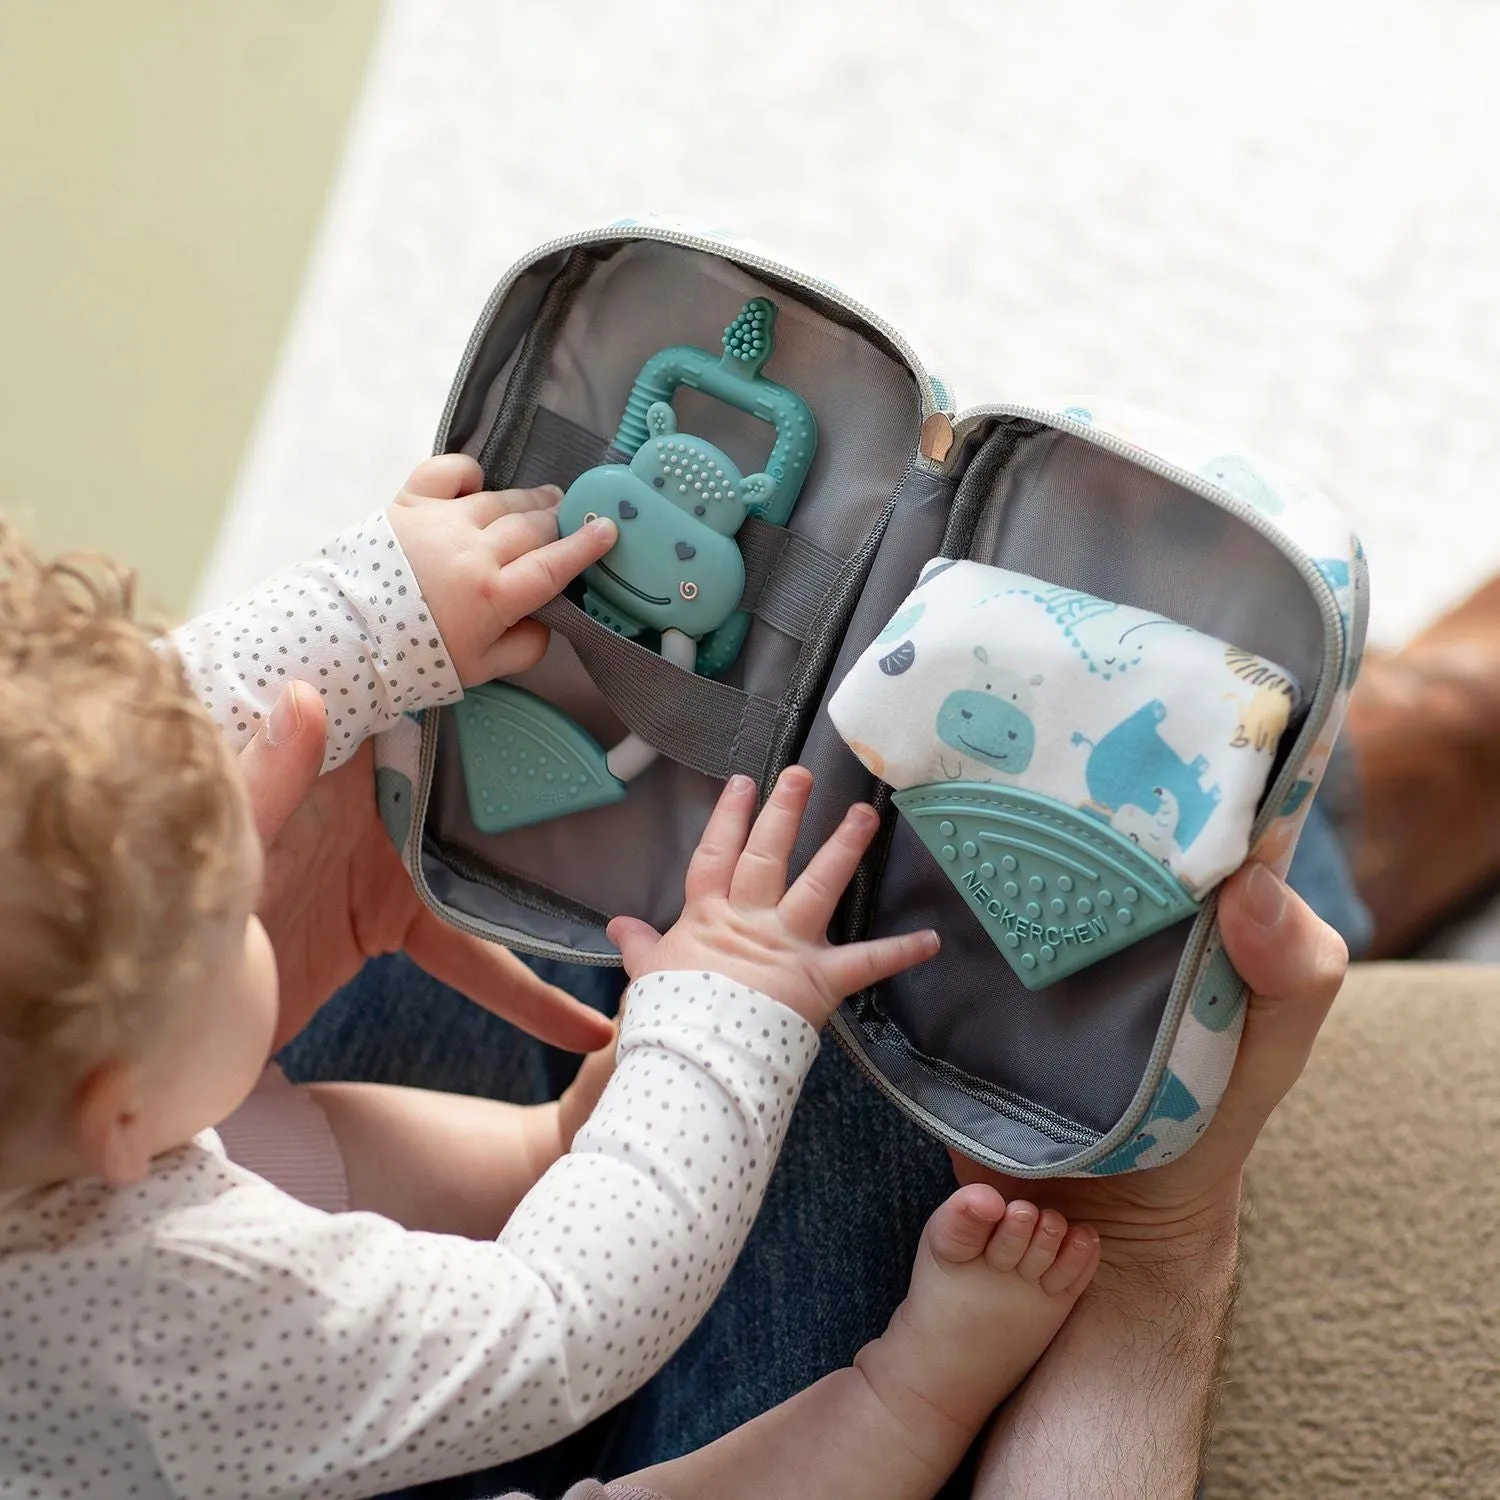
x=1278 y=218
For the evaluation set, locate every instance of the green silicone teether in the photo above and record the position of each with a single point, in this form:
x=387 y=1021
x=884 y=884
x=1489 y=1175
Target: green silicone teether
x=677 y=504
x=735 y=378
x=1055 y=889
x=524 y=762
x=675 y=570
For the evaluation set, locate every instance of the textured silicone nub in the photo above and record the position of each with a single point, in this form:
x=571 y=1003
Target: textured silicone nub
x=524 y=762
x=1056 y=889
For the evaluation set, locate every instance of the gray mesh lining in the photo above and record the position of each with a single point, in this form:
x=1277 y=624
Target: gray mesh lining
x=960 y=1037
x=1070 y=513
x=963 y=1110
x=914 y=534
x=495 y=351
x=633 y=302
x=1081 y=517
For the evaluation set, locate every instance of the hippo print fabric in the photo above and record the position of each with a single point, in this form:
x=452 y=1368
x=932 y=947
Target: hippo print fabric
x=1163 y=733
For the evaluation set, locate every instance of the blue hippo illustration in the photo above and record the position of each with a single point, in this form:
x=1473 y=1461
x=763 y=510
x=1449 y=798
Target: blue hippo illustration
x=1133 y=766
x=991 y=724
x=393 y=796
x=1244 y=481
x=678 y=505
x=1173 y=1100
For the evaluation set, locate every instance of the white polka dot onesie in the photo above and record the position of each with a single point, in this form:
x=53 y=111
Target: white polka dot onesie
x=351 y=621
x=202 y=1334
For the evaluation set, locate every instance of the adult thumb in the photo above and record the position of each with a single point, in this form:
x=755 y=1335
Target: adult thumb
x=283 y=760
x=1294 y=965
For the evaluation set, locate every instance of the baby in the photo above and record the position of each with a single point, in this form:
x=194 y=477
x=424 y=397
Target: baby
x=171 y=1323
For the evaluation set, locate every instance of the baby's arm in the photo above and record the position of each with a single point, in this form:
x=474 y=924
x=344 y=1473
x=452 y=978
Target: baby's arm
x=354 y=1357
x=397 y=614
x=451 y=1163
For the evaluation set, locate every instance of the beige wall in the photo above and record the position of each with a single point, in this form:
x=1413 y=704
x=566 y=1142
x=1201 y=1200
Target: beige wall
x=162 y=166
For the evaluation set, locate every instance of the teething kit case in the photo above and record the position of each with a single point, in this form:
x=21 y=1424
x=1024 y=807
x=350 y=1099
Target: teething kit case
x=1100 y=657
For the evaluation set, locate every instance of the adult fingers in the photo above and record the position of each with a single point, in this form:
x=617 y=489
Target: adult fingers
x=283 y=760
x=712 y=866
x=636 y=941
x=445 y=477
x=853 y=967
x=760 y=873
x=1294 y=964
x=495 y=978
x=490 y=506
x=808 y=906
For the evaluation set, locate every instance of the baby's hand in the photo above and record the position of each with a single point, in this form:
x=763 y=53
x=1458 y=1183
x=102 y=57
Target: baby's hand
x=485 y=559
x=741 y=921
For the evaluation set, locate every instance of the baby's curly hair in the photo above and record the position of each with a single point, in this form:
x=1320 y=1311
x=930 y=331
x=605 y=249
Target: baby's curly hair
x=122 y=824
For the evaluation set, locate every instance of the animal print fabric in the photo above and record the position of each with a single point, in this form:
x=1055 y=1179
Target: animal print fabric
x=1163 y=733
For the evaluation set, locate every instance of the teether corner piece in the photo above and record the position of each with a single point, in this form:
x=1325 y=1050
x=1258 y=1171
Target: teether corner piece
x=750 y=338
x=524 y=762
x=1055 y=889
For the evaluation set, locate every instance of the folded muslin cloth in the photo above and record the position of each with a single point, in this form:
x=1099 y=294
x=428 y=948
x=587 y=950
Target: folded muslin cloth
x=1158 y=730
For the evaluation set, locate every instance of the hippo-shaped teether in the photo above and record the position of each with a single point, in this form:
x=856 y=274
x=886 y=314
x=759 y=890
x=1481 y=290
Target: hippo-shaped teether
x=678 y=504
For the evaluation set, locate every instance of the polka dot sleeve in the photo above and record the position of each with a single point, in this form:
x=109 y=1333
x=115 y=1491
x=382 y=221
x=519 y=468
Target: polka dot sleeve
x=280 y=1351
x=351 y=621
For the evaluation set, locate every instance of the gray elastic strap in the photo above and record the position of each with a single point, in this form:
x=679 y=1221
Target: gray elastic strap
x=705 y=725
x=787 y=577
x=557 y=452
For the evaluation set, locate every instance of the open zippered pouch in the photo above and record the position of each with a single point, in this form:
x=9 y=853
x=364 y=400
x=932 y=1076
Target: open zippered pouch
x=599 y=365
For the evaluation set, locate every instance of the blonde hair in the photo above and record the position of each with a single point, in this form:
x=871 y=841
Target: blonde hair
x=122 y=824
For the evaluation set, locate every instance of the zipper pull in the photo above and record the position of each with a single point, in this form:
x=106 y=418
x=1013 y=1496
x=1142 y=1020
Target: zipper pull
x=936 y=437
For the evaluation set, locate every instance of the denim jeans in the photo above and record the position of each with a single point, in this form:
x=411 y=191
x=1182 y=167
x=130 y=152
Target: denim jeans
x=828 y=1258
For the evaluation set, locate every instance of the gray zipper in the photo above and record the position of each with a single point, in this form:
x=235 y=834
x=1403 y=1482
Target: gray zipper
x=933 y=399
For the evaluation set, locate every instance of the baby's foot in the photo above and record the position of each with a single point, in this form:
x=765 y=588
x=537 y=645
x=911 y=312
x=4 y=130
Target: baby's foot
x=992 y=1284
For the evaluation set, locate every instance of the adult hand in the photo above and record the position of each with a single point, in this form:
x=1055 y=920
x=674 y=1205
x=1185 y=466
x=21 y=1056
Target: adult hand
x=336 y=892
x=1294 y=965
x=1121 y=1402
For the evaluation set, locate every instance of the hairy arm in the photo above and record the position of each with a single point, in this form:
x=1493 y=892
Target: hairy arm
x=1120 y=1406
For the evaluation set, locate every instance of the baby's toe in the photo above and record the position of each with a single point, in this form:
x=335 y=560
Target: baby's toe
x=960 y=1229
x=1046 y=1239
x=1077 y=1260
x=1011 y=1239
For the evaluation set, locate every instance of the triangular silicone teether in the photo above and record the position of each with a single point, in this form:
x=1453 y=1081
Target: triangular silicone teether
x=525 y=762
x=1055 y=889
